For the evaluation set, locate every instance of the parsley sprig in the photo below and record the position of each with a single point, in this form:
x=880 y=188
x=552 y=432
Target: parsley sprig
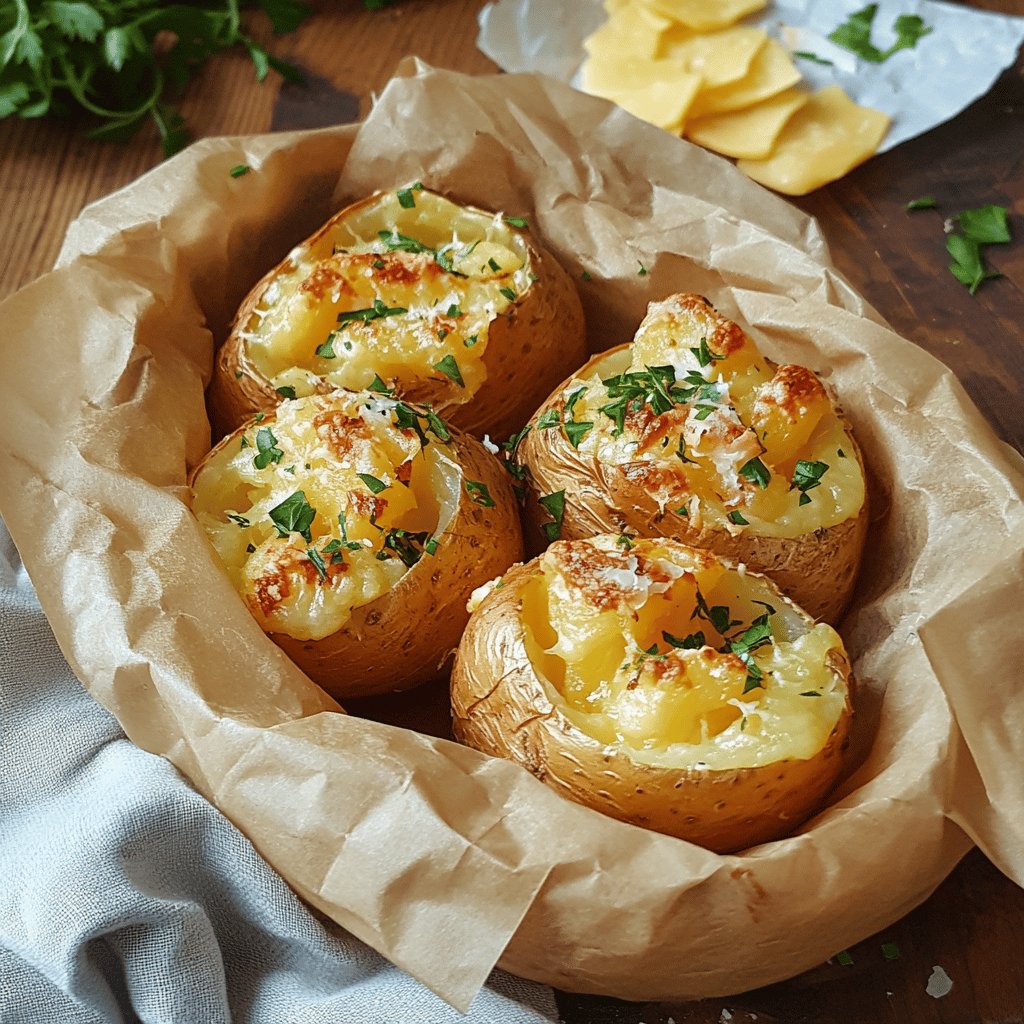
x=657 y=387
x=854 y=34
x=99 y=56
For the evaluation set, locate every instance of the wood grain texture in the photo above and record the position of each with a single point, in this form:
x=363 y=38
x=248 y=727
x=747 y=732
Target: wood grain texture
x=973 y=926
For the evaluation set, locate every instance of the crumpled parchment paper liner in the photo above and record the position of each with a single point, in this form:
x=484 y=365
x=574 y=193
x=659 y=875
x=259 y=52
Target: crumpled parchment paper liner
x=441 y=858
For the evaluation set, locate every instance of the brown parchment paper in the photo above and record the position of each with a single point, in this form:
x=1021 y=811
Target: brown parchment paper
x=444 y=860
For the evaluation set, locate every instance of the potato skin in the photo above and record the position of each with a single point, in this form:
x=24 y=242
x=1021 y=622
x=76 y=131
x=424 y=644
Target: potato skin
x=819 y=570
x=404 y=638
x=500 y=707
x=536 y=342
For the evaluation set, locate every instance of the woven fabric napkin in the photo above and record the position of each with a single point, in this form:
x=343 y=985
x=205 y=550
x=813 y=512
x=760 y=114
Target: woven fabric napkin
x=126 y=896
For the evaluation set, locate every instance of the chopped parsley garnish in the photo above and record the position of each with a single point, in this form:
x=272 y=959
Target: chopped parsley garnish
x=923 y=203
x=554 y=505
x=517 y=222
x=841 y=453
x=406 y=418
x=737 y=517
x=704 y=355
x=352 y=545
x=515 y=440
x=807 y=55
x=683 y=510
x=286 y=392
x=326 y=350
x=586 y=276
x=704 y=411
x=408 y=546
x=244 y=444
x=625 y=541
x=575 y=432
x=442 y=333
x=548 y=419
x=806 y=477
x=239 y=169
x=397 y=242
x=718 y=615
x=436 y=425
x=844 y=959
x=294 y=515
x=443 y=256
x=317 y=559
x=240 y=520
x=756 y=472
x=508 y=293
x=642 y=272
x=572 y=400
x=470 y=341
x=267 y=450
x=378 y=311
x=378 y=264
x=494 y=264
x=259 y=417
x=431 y=546
x=454 y=310
x=372 y=482
x=450 y=369
x=379 y=387
x=479 y=493
x=757 y=635
x=693 y=642
x=656 y=386
x=811 y=693
x=406 y=200
x=986 y=225
x=890 y=951
x=854 y=34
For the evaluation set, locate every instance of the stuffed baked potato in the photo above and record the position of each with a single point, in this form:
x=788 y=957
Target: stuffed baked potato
x=447 y=304
x=648 y=680
x=354 y=526
x=690 y=432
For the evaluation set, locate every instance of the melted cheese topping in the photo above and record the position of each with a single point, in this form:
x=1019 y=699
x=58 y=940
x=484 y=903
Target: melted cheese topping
x=394 y=291
x=375 y=494
x=598 y=620
x=730 y=416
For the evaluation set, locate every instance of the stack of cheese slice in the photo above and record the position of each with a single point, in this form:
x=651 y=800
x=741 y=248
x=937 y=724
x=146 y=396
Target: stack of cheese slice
x=686 y=66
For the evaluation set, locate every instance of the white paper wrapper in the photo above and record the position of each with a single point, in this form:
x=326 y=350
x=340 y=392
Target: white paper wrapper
x=444 y=859
x=918 y=88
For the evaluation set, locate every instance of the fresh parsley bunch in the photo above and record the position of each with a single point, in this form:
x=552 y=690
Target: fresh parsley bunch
x=121 y=60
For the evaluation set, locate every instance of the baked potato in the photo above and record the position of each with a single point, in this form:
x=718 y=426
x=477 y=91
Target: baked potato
x=690 y=432
x=448 y=304
x=650 y=681
x=354 y=526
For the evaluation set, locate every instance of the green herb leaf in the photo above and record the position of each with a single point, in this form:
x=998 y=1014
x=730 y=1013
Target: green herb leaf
x=575 y=432
x=379 y=387
x=756 y=472
x=844 y=959
x=239 y=170
x=378 y=311
x=470 y=341
x=642 y=272
x=517 y=222
x=554 y=505
x=548 y=419
x=508 y=293
x=494 y=265
x=704 y=355
x=431 y=546
x=397 y=242
x=437 y=425
x=326 y=350
x=241 y=521
x=890 y=951
x=266 y=446
x=806 y=476
x=293 y=515
x=479 y=493
x=693 y=642
x=406 y=199
x=807 y=55
x=286 y=392
x=625 y=541
x=372 y=482
x=922 y=203
x=586 y=276
x=317 y=559
x=986 y=225
x=737 y=517
x=450 y=368
x=855 y=34
x=454 y=311
x=407 y=546
x=811 y=693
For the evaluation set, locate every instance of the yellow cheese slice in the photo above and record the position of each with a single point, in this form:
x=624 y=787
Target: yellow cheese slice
x=628 y=32
x=823 y=140
x=661 y=103
x=771 y=72
x=604 y=76
x=750 y=133
x=706 y=15
x=720 y=58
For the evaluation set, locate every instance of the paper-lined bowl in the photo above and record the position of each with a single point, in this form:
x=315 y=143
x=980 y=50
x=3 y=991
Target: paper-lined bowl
x=443 y=859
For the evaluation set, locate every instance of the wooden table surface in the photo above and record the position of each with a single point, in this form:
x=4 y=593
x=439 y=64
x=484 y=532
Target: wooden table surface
x=973 y=926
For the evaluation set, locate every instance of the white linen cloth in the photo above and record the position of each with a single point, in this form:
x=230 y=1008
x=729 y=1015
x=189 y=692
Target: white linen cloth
x=126 y=896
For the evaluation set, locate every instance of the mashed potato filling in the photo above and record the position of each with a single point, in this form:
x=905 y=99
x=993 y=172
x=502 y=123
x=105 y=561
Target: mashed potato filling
x=656 y=647
x=324 y=506
x=694 y=414
x=404 y=288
